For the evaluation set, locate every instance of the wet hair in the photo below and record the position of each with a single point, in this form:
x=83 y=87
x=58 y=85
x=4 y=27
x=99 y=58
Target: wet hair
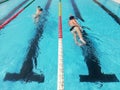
x=71 y=17
x=39 y=7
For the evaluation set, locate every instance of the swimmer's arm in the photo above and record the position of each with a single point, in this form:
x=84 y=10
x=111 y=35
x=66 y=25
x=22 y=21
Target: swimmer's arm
x=36 y=15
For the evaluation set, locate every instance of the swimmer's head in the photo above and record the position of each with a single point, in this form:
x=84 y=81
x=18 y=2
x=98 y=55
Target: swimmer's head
x=71 y=17
x=39 y=7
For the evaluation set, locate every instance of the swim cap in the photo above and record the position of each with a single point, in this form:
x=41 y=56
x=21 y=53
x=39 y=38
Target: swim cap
x=39 y=7
x=71 y=17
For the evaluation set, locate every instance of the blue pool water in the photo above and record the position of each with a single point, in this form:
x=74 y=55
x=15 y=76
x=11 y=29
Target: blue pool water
x=16 y=39
x=112 y=5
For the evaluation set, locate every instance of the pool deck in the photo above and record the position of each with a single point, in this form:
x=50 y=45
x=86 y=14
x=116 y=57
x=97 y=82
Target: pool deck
x=117 y=1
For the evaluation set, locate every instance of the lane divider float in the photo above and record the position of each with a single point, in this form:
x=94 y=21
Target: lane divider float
x=15 y=15
x=3 y=1
x=60 y=79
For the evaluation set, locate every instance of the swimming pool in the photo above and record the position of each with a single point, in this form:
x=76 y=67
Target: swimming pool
x=22 y=35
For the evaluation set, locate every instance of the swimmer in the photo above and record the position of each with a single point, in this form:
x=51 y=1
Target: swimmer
x=38 y=13
x=76 y=30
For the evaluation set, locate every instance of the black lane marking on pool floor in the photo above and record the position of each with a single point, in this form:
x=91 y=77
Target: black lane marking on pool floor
x=93 y=65
x=12 y=12
x=76 y=10
x=115 y=17
x=26 y=73
x=48 y=5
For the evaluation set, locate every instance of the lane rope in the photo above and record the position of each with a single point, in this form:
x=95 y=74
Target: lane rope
x=15 y=15
x=60 y=79
x=3 y=1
